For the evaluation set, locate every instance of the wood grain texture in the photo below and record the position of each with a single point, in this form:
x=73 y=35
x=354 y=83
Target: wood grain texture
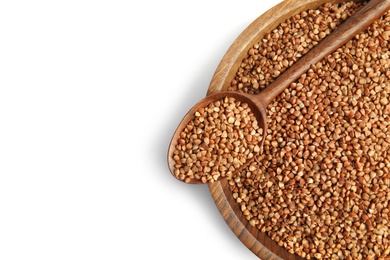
x=260 y=244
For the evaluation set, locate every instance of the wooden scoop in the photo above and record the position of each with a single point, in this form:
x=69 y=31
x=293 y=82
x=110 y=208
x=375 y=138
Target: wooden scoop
x=258 y=103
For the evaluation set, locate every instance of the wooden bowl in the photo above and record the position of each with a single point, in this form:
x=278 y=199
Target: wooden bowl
x=259 y=243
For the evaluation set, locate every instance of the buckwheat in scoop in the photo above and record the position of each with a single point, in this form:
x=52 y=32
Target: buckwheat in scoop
x=217 y=142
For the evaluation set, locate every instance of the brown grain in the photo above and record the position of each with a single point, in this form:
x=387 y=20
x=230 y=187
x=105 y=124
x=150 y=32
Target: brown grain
x=321 y=186
x=219 y=140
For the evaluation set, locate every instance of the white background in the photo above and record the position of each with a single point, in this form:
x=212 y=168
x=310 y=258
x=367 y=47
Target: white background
x=90 y=94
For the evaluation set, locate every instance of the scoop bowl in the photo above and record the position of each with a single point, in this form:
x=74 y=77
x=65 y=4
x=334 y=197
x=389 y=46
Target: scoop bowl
x=255 y=103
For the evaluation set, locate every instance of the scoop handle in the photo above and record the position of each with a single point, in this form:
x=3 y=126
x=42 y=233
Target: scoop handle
x=365 y=16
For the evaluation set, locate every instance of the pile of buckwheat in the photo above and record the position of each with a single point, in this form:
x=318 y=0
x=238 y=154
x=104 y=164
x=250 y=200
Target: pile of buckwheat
x=321 y=186
x=219 y=140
